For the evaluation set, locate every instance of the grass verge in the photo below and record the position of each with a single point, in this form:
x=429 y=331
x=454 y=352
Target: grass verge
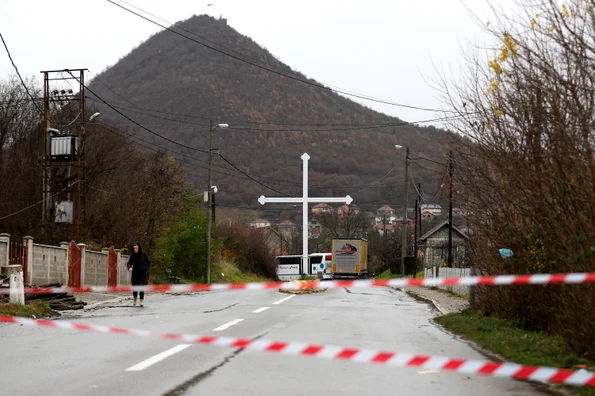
x=389 y=275
x=37 y=308
x=228 y=272
x=513 y=343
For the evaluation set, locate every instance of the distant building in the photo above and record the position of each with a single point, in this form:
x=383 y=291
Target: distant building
x=286 y=227
x=314 y=228
x=259 y=223
x=398 y=223
x=348 y=209
x=435 y=209
x=384 y=214
x=434 y=246
x=427 y=215
x=322 y=208
x=389 y=227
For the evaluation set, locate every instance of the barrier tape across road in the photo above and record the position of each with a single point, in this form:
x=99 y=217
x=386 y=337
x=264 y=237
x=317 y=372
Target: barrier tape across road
x=496 y=280
x=331 y=352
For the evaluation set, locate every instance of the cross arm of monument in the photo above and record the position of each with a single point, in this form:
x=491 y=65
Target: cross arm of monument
x=347 y=199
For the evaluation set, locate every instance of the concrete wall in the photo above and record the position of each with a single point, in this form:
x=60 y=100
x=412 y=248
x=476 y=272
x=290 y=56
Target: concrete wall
x=95 y=269
x=446 y=272
x=124 y=276
x=49 y=264
x=4 y=246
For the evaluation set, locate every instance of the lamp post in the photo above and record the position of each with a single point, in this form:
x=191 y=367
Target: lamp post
x=404 y=222
x=210 y=198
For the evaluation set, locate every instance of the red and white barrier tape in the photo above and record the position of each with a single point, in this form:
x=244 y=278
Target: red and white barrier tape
x=331 y=352
x=536 y=279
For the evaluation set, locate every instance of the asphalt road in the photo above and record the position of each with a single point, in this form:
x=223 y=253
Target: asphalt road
x=43 y=361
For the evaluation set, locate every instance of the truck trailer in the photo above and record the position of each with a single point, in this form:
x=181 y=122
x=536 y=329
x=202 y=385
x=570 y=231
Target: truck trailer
x=350 y=258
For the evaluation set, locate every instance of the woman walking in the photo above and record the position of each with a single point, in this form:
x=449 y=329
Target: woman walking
x=139 y=265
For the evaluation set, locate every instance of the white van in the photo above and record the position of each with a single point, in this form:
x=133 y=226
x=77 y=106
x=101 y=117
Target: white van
x=321 y=262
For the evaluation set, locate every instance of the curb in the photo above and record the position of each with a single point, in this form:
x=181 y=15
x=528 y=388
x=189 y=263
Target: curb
x=434 y=303
x=97 y=304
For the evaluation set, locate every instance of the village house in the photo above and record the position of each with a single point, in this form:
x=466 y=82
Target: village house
x=314 y=228
x=348 y=209
x=433 y=246
x=322 y=208
x=259 y=223
x=389 y=227
x=286 y=227
x=434 y=209
x=385 y=214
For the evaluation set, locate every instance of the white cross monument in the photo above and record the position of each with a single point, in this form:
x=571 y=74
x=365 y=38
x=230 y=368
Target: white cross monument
x=304 y=200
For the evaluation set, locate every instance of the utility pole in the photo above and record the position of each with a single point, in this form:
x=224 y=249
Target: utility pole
x=210 y=199
x=404 y=224
x=415 y=236
x=59 y=158
x=450 y=209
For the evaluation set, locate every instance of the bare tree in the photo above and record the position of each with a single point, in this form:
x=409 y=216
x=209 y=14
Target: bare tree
x=524 y=154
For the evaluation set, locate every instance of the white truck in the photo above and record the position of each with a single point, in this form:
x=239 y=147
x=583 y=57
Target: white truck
x=350 y=258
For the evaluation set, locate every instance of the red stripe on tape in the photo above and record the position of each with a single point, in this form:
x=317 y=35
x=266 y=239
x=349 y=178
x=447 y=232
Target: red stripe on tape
x=489 y=368
x=311 y=350
x=276 y=346
x=453 y=364
x=347 y=353
x=418 y=361
x=241 y=343
x=525 y=372
x=382 y=357
x=206 y=339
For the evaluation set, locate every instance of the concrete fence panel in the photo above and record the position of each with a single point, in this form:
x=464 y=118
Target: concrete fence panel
x=48 y=265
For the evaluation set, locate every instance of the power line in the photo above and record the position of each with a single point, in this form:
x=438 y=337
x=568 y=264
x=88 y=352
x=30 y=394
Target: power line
x=371 y=185
x=19 y=74
x=137 y=124
x=344 y=92
x=250 y=177
x=347 y=127
x=136 y=141
x=37 y=203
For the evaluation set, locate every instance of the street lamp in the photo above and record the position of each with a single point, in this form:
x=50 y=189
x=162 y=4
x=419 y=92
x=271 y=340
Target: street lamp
x=404 y=222
x=210 y=198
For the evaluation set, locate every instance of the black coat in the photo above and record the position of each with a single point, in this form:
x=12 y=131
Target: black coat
x=140 y=266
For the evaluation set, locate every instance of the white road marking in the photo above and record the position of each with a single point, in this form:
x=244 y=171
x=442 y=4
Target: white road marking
x=229 y=324
x=259 y=310
x=283 y=299
x=157 y=358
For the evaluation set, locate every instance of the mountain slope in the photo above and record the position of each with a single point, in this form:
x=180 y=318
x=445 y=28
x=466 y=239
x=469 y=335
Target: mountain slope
x=174 y=86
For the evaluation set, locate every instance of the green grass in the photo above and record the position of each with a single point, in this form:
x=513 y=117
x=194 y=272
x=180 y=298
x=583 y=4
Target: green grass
x=389 y=275
x=515 y=344
x=232 y=274
x=37 y=308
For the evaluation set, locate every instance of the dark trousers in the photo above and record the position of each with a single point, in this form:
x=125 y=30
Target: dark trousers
x=142 y=295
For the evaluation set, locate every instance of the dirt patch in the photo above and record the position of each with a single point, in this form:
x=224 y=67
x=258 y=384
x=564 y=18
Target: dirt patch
x=305 y=291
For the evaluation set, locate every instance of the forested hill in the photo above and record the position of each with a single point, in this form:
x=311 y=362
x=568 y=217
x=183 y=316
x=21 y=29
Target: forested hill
x=173 y=86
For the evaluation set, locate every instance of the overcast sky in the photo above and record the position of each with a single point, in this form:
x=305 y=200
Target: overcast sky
x=387 y=49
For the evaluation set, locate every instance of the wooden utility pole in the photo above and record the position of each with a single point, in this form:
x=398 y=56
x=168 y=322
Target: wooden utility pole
x=404 y=222
x=450 y=209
